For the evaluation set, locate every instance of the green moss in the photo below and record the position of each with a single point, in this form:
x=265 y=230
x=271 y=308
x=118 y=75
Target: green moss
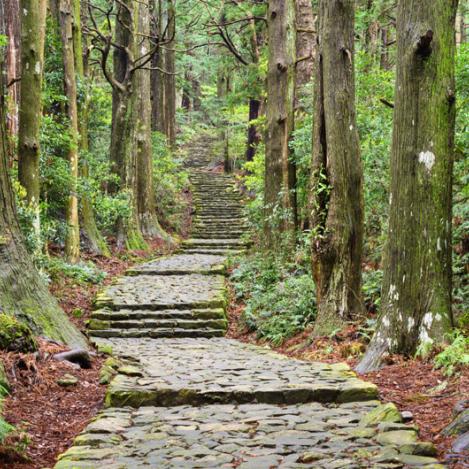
x=15 y=336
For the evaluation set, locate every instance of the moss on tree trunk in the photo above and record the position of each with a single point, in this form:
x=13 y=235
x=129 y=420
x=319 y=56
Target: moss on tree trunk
x=279 y=192
x=416 y=294
x=337 y=175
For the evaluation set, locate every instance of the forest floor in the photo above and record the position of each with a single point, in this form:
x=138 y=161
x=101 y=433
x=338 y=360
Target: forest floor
x=412 y=384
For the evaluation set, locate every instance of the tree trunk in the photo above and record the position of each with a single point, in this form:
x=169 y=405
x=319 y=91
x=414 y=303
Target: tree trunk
x=279 y=170
x=157 y=76
x=253 y=135
x=124 y=154
x=384 y=56
x=72 y=240
x=22 y=291
x=94 y=241
x=169 y=77
x=30 y=112
x=337 y=177
x=305 y=46
x=13 y=69
x=142 y=85
x=416 y=295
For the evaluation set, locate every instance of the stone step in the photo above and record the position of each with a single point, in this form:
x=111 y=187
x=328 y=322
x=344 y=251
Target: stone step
x=223 y=371
x=157 y=333
x=219 y=235
x=99 y=325
x=225 y=252
x=201 y=243
x=181 y=264
x=163 y=292
x=128 y=314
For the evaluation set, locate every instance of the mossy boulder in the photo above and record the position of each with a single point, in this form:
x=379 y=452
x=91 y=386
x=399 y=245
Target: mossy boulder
x=15 y=336
x=383 y=413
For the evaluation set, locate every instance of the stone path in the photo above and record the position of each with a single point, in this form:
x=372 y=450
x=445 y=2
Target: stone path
x=182 y=396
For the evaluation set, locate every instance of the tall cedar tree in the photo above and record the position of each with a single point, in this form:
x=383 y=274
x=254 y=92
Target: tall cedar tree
x=337 y=175
x=279 y=170
x=149 y=224
x=95 y=242
x=416 y=296
x=169 y=76
x=72 y=239
x=22 y=291
x=33 y=26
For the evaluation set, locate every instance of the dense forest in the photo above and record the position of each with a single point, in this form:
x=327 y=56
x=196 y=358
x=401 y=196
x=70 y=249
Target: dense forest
x=342 y=126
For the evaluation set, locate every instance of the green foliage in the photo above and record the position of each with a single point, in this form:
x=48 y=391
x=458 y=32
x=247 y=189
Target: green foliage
x=82 y=273
x=461 y=185
x=372 y=280
x=279 y=302
x=170 y=179
x=5 y=429
x=454 y=356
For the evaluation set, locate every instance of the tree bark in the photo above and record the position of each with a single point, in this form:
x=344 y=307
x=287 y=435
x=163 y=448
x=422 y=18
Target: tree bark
x=13 y=68
x=416 y=294
x=142 y=84
x=305 y=46
x=94 y=241
x=279 y=171
x=72 y=240
x=22 y=291
x=169 y=76
x=124 y=154
x=337 y=176
x=157 y=76
x=33 y=25
x=253 y=134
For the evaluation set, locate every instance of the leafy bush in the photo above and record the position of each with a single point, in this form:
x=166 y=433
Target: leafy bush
x=170 y=180
x=84 y=272
x=279 y=303
x=455 y=355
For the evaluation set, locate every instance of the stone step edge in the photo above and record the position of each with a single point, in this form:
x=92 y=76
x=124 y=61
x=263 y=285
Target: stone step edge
x=356 y=390
x=106 y=314
x=206 y=333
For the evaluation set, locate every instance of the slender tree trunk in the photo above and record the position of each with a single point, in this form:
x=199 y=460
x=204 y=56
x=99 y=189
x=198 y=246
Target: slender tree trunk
x=169 y=77
x=145 y=190
x=253 y=134
x=124 y=153
x=416 y=295
x=337 y=177
x=13 y=69
x=94 y=240
x=22 y=291
x=157 y=76
x=305 y=46
x=72 y=240
x=279 y=170
x=33 y=25
x=384 y=56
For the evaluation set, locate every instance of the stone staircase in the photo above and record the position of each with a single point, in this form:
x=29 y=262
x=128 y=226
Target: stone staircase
x=181 y=295
x=182 y=397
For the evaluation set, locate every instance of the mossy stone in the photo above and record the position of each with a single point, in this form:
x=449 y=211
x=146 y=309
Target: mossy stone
x=383 y=413
x=15 y=336
x=67 y=380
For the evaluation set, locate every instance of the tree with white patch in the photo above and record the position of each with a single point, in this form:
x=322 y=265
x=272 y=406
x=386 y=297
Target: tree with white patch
x=416 y=296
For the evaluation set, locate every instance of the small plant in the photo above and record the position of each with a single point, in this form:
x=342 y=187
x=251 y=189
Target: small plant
x=85 y=272
x=454 y=356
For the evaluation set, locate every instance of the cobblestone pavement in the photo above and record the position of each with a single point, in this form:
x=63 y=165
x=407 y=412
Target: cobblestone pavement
x=179 y=397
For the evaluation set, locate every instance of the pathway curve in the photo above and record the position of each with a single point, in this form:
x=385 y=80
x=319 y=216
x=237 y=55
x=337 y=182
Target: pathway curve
x=183 y=396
